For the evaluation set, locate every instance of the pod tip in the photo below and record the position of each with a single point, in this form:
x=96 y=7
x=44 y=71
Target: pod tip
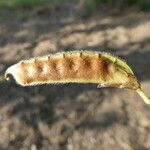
x=2 y=78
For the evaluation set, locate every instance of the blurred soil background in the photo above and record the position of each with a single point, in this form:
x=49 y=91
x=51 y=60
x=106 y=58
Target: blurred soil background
x=74 y=116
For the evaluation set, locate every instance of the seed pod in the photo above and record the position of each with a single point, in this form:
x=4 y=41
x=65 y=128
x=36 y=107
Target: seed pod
x=76 y=67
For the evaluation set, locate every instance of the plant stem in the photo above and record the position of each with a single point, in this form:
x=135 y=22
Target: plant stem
x=143 y=95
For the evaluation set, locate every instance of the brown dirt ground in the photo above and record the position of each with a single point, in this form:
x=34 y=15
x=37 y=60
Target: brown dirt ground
x=74 y=116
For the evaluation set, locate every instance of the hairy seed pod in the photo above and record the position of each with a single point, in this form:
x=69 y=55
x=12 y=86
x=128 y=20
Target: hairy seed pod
x=75 y=67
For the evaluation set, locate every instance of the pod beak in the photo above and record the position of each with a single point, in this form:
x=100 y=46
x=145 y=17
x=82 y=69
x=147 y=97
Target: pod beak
x=2 y=78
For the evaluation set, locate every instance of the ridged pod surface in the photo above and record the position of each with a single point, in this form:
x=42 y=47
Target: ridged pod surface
x=78 y=67
x=74 y=66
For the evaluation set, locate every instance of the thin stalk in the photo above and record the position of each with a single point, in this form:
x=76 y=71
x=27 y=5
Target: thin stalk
x=144 y=96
